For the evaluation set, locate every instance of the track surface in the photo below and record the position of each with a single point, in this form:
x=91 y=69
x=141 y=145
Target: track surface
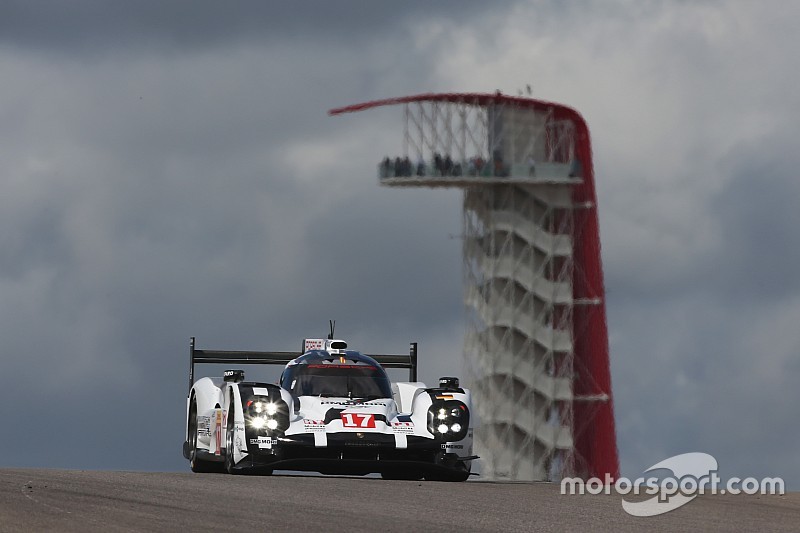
x=62 y=500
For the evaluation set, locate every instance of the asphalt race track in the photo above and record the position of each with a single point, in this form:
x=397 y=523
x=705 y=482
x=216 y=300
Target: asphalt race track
x=62 y=500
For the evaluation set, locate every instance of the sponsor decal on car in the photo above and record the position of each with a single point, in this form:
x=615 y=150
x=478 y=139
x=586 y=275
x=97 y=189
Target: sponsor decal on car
x=358 y=420
x=264 y=442
x=219 y=431
x=314 y=425
x=203 y=426
x=329 y=366
x=313 y=344
x=452 y=446
x=403 y=427
x=353 y=404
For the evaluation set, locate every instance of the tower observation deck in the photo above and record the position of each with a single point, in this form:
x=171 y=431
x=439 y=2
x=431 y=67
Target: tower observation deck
x=536 y=343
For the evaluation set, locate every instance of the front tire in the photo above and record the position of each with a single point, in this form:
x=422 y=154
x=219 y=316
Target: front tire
x=229 y=442
x=459 y=474
x=402 y=475
x=197 y=465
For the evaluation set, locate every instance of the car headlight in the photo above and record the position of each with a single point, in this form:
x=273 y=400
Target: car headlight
x=448 y=420
x=266 y=414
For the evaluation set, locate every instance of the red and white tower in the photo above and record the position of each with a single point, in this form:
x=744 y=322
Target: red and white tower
x=536 y=345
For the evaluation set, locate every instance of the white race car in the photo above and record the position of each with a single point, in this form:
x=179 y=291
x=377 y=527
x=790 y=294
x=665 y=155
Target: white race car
x=334 y=412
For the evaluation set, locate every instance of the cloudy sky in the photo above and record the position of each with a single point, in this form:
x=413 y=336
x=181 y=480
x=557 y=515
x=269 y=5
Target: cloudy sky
x=168 y=169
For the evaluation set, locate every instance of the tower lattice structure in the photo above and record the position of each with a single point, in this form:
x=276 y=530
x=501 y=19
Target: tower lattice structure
x=536 y=343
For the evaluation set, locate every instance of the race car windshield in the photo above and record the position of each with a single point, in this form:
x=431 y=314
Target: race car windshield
x=340 y=381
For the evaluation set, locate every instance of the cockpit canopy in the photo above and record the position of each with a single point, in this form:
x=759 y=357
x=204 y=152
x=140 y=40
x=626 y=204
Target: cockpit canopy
x=345 y=375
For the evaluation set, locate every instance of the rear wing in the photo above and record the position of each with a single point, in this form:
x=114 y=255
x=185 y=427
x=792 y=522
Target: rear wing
x=196 y=356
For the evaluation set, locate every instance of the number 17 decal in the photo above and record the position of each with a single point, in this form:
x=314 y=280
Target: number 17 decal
x=358 y=420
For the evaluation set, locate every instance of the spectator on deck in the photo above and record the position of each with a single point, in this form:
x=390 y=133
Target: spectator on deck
x=406 y=167
x=499 y=167
x=386 y=167
x=448 y=166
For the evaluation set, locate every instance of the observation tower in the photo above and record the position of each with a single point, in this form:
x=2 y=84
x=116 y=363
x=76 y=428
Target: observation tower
x=536 y=343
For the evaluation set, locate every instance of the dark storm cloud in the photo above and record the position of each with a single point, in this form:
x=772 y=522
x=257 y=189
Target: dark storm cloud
x=717 y=336
x=755 y=246
x=715 y=380
x=760 y=220
x=391 y=244
x=98 y=26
